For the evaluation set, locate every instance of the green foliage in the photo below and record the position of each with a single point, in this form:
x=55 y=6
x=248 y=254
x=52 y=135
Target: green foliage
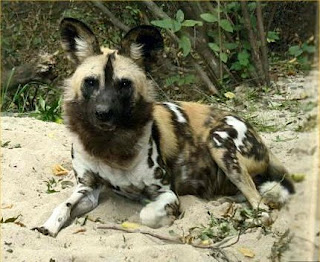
x=185 y=45
x=302 y=54
x=180 y=80
x=272 y=36
x=226 y=25
x=53 y=184
x=236 y=54
x=210 y=18
x=176 y=25
x=233 y=223
x=46 y=112
x=170 y=24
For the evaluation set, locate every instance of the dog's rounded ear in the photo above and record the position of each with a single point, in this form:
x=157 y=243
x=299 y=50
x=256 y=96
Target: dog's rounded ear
x=144 y=44
x=78 y=40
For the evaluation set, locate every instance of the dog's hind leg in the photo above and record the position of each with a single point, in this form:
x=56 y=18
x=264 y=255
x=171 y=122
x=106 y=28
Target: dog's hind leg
x=238 y=174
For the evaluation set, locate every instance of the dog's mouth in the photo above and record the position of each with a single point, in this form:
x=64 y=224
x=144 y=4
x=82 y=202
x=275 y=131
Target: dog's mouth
x=104 y=126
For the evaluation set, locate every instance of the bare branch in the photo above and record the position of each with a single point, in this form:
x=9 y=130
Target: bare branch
x=112 y=18
x=204 y=77
x=176 y=240
x=264 y=49
x=156 y=10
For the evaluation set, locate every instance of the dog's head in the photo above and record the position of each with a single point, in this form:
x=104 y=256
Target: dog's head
x=109 y=88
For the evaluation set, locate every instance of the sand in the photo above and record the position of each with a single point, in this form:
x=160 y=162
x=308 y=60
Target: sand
x=35 y=147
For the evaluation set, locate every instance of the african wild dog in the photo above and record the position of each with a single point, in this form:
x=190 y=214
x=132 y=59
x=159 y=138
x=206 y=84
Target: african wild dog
x=147 y=150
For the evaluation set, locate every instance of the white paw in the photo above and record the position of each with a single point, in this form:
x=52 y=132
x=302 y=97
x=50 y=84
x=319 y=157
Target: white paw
x=155 y=217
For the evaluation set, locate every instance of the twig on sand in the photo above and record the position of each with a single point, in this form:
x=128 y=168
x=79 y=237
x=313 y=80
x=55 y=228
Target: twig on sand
x=176 y=240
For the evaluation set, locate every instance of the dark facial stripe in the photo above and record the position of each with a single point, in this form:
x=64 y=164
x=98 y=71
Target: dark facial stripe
x=108 y=70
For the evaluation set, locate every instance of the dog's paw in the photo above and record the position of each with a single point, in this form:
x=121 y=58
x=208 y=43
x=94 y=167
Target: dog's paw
x=152 y=217
x=43 y=230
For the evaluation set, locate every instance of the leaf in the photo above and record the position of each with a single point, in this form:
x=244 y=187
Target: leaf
x=179 y=16
x=59 y=170
x=7 y=206
x=59 y=120
x=252 y=6
x=185 y=44
x=206 y=242
x=80 y=230
x=246 y=252
x=272 y=37
x=223 y=57
x=226 y=25
x=295 y=50
x=243 y=57
x=190 y=23
x=51 y=191
x=231 y=46
x=10 y=220
x=171 y=24
x=214 y=47
x=236 y=66
x=308 y=48
x=233 y=5
x=209 y=17
x=130 y=225
x=298 y=177
x=229 y=95
x=5 y=144
x=20 y=224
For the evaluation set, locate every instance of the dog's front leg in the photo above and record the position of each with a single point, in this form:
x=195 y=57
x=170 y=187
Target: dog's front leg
x=162 y=211
x=82 y=200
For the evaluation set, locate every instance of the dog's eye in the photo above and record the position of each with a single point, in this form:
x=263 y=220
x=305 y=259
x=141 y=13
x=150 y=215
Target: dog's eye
x=91 y=82
x=125 y=83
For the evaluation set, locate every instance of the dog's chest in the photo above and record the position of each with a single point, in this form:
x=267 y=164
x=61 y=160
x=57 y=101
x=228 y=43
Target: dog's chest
x=143 y=178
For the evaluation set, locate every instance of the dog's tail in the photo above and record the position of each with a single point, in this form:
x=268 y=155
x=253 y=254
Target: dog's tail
x=275 y=186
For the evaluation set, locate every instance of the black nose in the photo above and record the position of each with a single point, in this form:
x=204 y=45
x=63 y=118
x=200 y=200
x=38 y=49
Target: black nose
x=103 y=113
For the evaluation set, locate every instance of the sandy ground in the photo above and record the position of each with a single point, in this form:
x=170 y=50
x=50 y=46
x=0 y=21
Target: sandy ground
x=35 y=147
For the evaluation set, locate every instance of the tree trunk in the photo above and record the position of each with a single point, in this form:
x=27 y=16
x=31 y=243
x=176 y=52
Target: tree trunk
x=264 y=50
x=253 y=43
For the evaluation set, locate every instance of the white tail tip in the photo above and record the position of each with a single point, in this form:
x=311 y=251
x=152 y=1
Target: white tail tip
x=274 y=194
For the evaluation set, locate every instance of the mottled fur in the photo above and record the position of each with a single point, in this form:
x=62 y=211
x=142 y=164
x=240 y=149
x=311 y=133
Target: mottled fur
x=146 y=150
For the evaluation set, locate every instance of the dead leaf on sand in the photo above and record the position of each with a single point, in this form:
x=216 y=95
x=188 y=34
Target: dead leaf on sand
x=59 y=170
x=246 y=252
x=80 y=230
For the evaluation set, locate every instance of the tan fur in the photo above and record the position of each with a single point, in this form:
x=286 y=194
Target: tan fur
x=254 y=167
x=197 y=114
x=169 y=143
